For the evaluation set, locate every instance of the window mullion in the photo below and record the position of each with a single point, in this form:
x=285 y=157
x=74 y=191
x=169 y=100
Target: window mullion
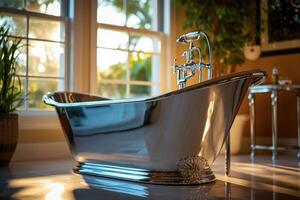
x=26 y=81
x=133 y=82
x=128 y=53
x=128 y=68
x=125 y=2
x=32 y=14
x=138 y=31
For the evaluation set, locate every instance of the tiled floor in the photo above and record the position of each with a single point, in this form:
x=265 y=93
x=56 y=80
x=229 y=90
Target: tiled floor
x=258 y=179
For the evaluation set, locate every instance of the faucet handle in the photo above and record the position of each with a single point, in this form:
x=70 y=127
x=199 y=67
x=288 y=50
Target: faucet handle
x=189 y=56
x=174 y=67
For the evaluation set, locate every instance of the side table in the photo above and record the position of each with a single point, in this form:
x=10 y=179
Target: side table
x=273 y=91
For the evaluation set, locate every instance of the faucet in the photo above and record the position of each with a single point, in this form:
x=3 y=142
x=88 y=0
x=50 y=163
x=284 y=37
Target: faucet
x=190 y=65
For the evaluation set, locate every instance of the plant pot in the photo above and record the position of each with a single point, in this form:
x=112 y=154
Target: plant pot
x=8 y=137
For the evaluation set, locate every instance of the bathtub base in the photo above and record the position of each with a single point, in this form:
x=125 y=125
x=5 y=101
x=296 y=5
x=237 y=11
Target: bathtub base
x=146 y=176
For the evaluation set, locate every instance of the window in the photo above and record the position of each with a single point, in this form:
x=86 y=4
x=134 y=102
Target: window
x=129 y=48
x=42 y=60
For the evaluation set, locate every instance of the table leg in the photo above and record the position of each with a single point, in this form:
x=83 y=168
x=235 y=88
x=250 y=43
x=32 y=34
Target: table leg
x=227 y=155
x=274 y=123
x=227 y=190
x=251 y=101
x=298 y=122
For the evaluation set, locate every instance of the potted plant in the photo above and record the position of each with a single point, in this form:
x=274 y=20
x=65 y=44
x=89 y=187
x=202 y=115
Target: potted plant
x=10 y=94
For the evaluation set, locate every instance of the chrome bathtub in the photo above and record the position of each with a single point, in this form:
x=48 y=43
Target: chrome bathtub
x=169 y=139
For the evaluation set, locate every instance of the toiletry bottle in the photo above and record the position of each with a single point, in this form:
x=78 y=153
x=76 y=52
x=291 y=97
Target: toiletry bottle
x=275 y=75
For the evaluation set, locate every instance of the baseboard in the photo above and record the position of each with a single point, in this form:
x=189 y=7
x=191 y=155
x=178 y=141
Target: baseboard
x=268 y=141
x=41 y=151
x=245 y=144
x=241 y=144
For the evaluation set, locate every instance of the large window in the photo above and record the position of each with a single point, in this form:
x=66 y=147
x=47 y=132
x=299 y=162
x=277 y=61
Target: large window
x=129 y=48
x=42 y=60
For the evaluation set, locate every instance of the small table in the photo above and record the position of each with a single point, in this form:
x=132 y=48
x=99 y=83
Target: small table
x=273 y=91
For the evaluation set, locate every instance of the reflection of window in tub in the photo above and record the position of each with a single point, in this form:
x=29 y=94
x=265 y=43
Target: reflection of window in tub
x=42 y=26
x=130 y=48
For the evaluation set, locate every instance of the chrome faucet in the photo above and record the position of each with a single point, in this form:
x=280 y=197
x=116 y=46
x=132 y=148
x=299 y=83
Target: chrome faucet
x=190 y=65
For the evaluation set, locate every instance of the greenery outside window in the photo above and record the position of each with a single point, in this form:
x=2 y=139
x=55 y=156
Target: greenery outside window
x=42 y=60
x=129 y=48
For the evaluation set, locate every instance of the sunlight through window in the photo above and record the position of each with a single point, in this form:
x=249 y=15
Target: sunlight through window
x=41 y=63
x=128 y=48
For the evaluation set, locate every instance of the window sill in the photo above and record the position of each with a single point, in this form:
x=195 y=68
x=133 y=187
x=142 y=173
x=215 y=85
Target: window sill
x=38 y=120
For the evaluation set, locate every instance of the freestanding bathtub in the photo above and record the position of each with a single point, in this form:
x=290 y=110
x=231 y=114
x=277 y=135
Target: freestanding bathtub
x=169 y=139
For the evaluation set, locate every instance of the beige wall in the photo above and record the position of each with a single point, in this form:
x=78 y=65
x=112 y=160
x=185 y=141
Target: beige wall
x=289 y=65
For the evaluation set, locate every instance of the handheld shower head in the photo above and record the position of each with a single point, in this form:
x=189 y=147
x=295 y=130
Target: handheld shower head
x=190 y=37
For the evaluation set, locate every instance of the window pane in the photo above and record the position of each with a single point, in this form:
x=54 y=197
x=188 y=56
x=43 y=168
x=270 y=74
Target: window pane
x=113 y=91
x=46 y=59
x=111 y=12
x=112 y=39
x=140 y=66
x=140 y=14
x=111 y=64
x=140 y=90
x=22 y=106
x=12 y=3
x=21 y=61
x=155 y=90
x=38 y=88
x=145 y=44
x=52 y=7
x=16 y=23
x=46 y=29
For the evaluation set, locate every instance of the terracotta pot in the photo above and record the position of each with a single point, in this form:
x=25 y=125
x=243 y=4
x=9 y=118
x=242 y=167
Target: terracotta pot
x=8 y=137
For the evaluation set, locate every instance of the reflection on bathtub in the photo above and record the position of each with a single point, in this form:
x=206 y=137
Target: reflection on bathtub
x=106 y=119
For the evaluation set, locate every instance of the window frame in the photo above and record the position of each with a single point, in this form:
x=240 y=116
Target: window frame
x=81 y=49
x=39 y=119
x=131 y=31
x=63 y=19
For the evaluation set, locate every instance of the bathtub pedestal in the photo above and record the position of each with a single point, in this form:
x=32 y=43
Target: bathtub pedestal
x=146 y=176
